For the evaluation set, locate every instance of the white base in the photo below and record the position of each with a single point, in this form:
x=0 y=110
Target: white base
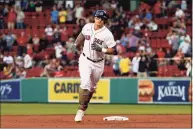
x=115 y=118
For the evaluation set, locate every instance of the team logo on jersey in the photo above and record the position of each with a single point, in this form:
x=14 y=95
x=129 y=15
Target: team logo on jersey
x=98 y=41
x=87 y=37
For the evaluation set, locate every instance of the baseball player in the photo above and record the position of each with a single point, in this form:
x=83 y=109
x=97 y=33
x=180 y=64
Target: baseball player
x=96 y=40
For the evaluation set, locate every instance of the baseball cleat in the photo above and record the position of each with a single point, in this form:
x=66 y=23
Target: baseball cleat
x=79 y=116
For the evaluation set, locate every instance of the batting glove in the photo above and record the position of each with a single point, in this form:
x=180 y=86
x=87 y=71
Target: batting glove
x=74 y=49
x=96 y=47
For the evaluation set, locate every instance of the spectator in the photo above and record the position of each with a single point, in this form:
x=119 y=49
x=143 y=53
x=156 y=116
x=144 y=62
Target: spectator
x=115 y=63
x=188 y=66
x=179 y=13
x=173 y=40
x=57 y=34
x=124 y=65
x=8 y=59
x=157 y=9
x=24 y=4
x=181 y=64
x=133 y=42
x=179 y=24
x=135 y=64
x=185 y=46
x=11 y=19
x=119 y=48
x=19 y=62
x=142 y=66
x=124 y=40
x=45 y=61
x=64 y=34
x=164 y=8
x=144 y=6
x=178 y=56
x=49 y=33
x=184 y=5
x=168 y=53
x=105 y=4
x=59 y=70
x=1 y=21
x=8 y=71
x=152 y=26
x=160 y=53
x=20 y=73
x=9 y=39
x=36 y=43
x=58 y=50
x=27 y=61
x=29 y=49
x=31 y=7
x=69 y=16
x=20 y=18
x=114 y=4
x=148 y=16
x=38 y=5
x=153 y=68
x=172 y=4
x=54 y=15
x=49 y=69
x=5 y=10
x=22 y=41
x=62 y=16
x=49 y=30
x=69 y=45
x=185 y=42
x=43 y=43
x=79 y=10
x=3 y=65
x=81 y=22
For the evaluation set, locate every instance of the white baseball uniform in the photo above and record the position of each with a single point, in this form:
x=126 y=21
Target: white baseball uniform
x=90 y=72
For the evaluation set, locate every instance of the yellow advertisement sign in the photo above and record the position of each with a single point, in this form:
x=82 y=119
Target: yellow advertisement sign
x=66 y=90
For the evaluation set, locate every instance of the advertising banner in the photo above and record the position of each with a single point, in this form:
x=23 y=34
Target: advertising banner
x=66 y=90
x=164 y=91
x=10 y=90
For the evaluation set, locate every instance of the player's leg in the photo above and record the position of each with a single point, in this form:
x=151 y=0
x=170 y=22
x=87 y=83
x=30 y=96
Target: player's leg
x=85 y=95
x=84 y=98
x=85 y=71
x=97 y=73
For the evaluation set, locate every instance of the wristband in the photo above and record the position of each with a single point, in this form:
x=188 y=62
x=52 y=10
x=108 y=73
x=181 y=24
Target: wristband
x=104 y=50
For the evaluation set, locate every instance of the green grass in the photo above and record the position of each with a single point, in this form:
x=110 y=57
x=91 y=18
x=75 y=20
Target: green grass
x=46 y=109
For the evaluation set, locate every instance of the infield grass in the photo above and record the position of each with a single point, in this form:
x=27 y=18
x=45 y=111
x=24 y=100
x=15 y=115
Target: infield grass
x=48 y=109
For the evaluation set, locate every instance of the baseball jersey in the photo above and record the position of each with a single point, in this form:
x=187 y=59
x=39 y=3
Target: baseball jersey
x=103 y=37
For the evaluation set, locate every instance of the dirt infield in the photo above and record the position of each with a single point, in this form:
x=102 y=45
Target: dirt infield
x=91 y=121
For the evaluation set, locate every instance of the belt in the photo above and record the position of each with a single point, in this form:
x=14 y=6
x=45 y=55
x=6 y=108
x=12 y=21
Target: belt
x=95 y=61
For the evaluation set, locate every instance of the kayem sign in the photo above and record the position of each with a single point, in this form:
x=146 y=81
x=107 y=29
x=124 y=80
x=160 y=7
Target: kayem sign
x=164 y=91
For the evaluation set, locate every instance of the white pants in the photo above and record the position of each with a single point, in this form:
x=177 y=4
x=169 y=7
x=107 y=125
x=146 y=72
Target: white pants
x=90 y=73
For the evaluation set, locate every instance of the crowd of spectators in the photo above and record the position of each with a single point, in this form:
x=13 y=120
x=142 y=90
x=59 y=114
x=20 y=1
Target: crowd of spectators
x=132 y=30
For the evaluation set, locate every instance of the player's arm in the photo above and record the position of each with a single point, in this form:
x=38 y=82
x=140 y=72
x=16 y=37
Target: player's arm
x=79 y=41
x=110 y=51
x=111 y=47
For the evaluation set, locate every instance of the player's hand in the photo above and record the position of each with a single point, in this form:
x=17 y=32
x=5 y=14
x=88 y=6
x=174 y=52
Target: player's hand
x=74 y=49
x=96 y=47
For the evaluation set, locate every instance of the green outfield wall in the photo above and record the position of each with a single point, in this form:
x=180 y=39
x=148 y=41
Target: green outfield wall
x=109 y=90
x=124 y=90
x=34 y=90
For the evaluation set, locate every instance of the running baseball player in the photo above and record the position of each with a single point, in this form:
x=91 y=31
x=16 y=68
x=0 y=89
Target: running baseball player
x=96 y=40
